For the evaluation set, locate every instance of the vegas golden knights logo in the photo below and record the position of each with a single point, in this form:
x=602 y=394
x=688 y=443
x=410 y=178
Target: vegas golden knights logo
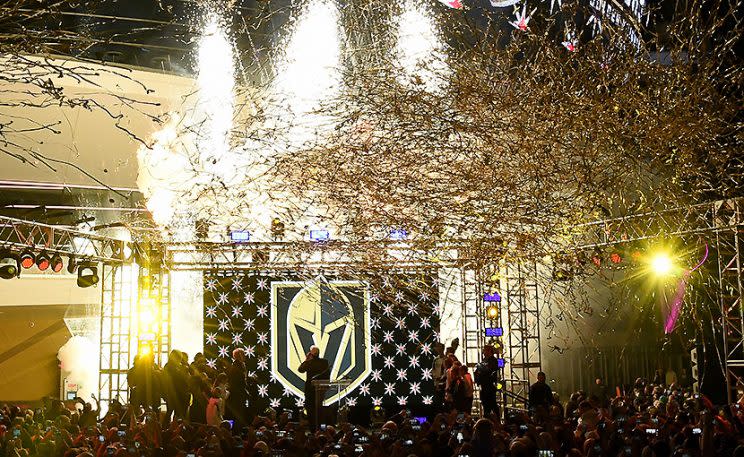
x=333 y=315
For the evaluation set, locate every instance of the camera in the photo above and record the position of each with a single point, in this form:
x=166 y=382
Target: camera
x=697 y=431
x=101 y=438
x=323 y=427
x=651 y=431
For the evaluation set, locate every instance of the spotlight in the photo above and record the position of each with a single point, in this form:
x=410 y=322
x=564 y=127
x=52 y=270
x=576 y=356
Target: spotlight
x=57 y=263
x=616 y=258
x=398 y=234
x=71 y=264
x=42 y=261
x=662 y=264
x=10 y=265
x=492 y=311
x=87 y=275
x=277 y=228
x=145 y=349
x=27 y=259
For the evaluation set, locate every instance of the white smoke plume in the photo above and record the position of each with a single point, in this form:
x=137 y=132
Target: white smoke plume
x=78 y=359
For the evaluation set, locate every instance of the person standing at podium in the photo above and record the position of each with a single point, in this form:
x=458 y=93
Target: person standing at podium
x=316 y=369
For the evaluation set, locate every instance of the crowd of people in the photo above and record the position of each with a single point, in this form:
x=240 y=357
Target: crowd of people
x=645 y=419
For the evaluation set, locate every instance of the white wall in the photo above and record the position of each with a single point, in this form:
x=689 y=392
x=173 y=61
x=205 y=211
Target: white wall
x=46 y=289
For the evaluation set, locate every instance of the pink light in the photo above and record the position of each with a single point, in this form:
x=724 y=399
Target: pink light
x=679 y=296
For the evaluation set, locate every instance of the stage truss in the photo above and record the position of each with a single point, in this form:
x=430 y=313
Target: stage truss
x=721 y=220
x=18 y=235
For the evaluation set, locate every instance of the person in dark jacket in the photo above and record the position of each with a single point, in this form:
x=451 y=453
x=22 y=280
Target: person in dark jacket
x=316 y=369
x=541 y=396
x=175 y=386
x=486 y=376
x=236 y=404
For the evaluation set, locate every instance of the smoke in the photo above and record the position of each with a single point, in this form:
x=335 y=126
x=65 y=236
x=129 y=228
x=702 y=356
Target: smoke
x=79 y=363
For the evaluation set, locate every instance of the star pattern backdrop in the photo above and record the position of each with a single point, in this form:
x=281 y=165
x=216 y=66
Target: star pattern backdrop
x=405 y=315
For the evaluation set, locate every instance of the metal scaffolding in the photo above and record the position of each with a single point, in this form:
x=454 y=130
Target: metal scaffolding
x=18 y=235
x=730 y=247
x=522 y=306
x=117 y=345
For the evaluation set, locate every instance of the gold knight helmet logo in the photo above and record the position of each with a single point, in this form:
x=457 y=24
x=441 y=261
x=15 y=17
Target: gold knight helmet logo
x=333 y=315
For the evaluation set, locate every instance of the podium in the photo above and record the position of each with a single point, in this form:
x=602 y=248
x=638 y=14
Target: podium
x=328 y=414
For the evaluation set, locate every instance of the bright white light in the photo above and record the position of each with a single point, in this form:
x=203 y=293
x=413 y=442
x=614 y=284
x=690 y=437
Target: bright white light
x=419 y=48
x=192 y=170
x=309 y=72
x=216 y=99
x=661 y=264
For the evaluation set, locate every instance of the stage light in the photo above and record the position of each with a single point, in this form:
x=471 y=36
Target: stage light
x=57 y=263
x=492 y=297
x=71 y=264
x=494 y=332
x=398 y=234
x=615 y=258
x=87 y=275
x=146 y=319
x=10 y=265
x=277 y=228
x=499 y=386
x=145 y=350
x=320 y=235
x=42 y=261
x=500 y=362
x=240 y=236
x=27 y=259
x=492 y=311
x=661 y=264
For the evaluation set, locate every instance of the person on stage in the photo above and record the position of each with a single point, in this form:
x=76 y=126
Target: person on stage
x=316 y=369
x=439 y=375
x=486 y=376
x=236 y=408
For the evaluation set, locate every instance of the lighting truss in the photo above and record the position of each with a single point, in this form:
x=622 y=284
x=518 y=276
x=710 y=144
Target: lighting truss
x=17 y=234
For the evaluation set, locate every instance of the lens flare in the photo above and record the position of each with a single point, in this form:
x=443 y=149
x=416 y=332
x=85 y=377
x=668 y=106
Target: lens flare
x=662 y=264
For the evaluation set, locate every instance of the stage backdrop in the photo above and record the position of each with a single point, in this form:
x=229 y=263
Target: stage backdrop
x=377 y=332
